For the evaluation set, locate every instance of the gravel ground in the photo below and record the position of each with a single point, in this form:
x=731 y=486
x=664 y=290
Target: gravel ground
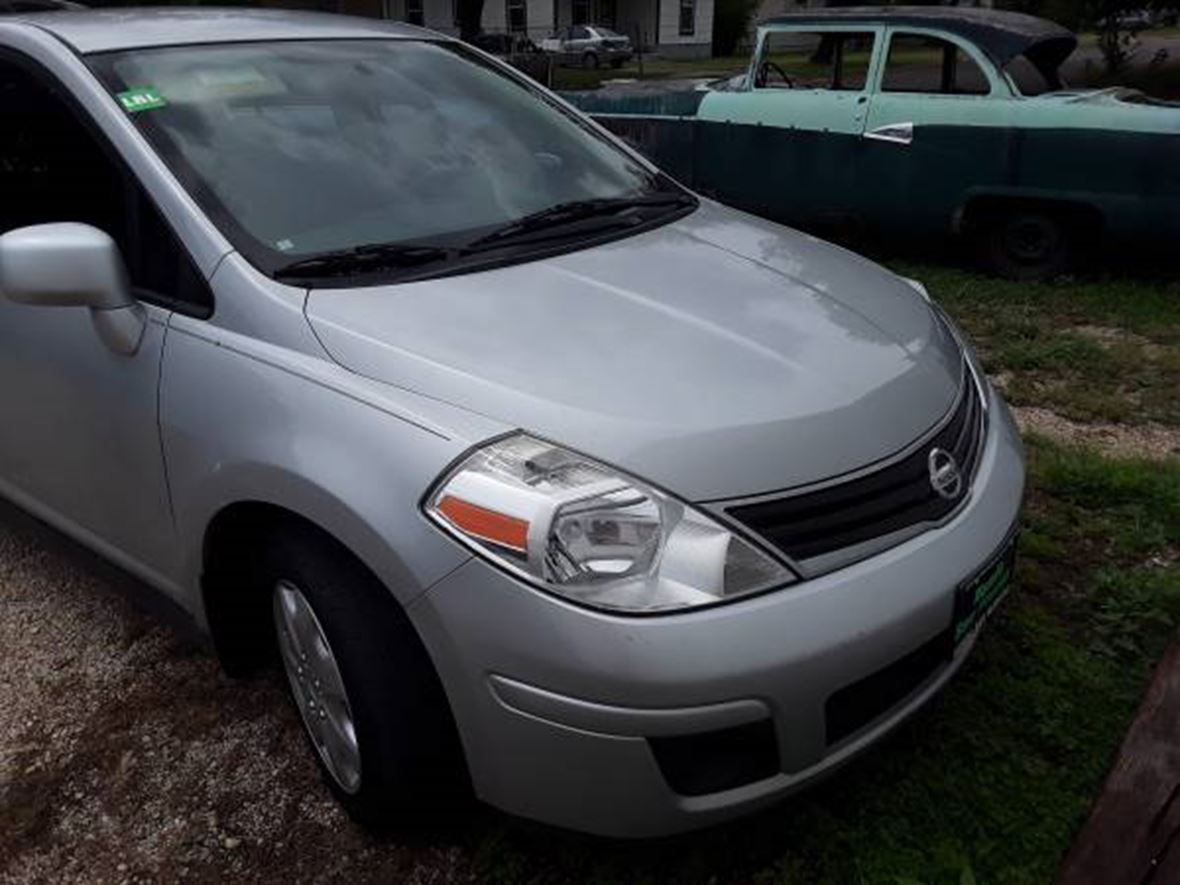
x=125 y=755
x=1117 y=440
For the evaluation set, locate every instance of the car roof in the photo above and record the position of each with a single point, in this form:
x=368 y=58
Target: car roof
x=1001 y=34
x=104 y=30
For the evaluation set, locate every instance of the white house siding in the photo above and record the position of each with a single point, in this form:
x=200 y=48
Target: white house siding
x=538 y=18
x=675 y=45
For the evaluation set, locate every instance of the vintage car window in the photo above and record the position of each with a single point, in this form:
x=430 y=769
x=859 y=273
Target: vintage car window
x=815 y=60
x=53 y=168
x=302 y=147
x=1025 y=76
x=922 y=63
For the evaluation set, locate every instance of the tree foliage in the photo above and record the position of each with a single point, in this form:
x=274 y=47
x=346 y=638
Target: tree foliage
x=731 y=23
x=1109 y=18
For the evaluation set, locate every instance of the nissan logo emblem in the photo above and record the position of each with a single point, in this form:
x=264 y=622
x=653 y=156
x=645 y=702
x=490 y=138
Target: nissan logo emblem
x=945 y=478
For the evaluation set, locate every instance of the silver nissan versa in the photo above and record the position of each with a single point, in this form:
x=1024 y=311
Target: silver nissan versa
x=536 y=471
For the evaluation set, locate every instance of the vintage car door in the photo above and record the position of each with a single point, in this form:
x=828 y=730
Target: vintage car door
x=936 y=130
x=785 y=146
x=80 y=445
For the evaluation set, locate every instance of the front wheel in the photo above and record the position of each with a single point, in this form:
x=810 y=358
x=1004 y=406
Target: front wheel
x=371 y=704
x=1027 y=245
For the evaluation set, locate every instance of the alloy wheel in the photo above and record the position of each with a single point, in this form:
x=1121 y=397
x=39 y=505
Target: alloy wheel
x=317 y=684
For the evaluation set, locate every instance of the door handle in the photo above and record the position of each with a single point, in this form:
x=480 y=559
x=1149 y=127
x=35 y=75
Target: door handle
x=894 y=133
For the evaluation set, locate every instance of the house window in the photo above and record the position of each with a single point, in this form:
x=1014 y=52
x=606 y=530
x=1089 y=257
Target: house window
x=414 y=13
x=518 y=21
x=688 y=17
x=581 y=11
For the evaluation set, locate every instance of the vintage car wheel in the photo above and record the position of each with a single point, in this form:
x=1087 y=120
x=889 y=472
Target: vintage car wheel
x=590 y=61
x=371 y=704
x=1027 y=245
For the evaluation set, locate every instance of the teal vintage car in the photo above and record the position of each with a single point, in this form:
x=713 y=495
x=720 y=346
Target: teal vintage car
x=920 y=121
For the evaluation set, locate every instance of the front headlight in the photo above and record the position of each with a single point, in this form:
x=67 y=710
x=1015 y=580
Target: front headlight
x=593 y=534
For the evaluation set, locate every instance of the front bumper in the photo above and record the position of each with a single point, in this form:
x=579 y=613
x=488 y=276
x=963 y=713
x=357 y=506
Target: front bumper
x=559 y=708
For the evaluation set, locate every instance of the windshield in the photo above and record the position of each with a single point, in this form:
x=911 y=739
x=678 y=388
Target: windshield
x=300 y=148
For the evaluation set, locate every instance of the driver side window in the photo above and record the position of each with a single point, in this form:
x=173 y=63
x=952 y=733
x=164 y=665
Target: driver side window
x=836 y=60
x=54 y=168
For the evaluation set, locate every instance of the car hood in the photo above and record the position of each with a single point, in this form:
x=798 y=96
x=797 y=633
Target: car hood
x=718 y=356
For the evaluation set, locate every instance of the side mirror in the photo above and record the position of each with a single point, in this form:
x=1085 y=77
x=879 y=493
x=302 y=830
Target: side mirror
x=73 y=265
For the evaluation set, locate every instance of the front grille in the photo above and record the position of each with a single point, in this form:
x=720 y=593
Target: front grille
x=876 y=504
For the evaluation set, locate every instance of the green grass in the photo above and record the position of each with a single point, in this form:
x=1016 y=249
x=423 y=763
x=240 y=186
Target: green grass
x=1058 y=345
x=991 y=782
x=653 y=69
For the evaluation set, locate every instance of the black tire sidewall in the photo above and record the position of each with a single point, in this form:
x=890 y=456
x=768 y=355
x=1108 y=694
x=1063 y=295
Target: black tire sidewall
x=1003 y=262
x=410 y=763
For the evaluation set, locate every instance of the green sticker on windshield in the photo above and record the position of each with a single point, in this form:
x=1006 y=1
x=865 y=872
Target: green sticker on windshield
x=145 y=98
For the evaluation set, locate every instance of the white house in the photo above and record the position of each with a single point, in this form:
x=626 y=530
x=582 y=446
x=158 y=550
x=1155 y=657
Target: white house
x=671 y=28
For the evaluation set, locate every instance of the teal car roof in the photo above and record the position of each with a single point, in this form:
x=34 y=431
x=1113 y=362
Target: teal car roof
x=1000 y=34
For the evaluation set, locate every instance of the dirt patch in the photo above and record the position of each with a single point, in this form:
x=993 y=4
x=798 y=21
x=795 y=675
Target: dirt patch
x=1120 y=440
x=1110 y=337
x=126 y=756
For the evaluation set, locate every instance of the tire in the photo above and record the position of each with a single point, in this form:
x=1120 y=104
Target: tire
x=590 y=61
x=410 y=767
x=1027 y=244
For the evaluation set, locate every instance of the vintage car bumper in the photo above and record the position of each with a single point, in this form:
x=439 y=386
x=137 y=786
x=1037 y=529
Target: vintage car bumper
x=635 y=727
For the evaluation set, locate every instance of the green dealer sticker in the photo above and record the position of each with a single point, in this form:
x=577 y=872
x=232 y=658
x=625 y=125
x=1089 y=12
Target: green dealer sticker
x=145 y=98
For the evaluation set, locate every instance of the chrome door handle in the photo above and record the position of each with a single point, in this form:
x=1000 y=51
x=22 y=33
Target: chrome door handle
x=894 y=133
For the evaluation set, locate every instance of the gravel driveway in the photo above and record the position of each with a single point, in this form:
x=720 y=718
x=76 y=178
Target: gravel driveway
x=126 y=756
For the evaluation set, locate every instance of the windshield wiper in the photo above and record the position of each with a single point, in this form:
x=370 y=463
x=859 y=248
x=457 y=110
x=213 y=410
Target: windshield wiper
x=564 y=219
x=368 y=257
x=549 y=221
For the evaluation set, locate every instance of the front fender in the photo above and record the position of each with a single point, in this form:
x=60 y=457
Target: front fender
x=242 y=421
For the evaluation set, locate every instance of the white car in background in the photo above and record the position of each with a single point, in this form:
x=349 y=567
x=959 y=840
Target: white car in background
x=589 y=46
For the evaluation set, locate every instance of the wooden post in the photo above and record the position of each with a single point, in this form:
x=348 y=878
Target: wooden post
x=1133 y=833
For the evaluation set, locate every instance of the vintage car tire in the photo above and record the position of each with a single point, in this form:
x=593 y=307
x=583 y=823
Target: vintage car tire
x=590 y=61
x=411 y=767
x=1027 y=244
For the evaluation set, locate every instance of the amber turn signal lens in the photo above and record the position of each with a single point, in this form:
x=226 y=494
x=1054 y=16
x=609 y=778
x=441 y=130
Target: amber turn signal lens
x=487 y=525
